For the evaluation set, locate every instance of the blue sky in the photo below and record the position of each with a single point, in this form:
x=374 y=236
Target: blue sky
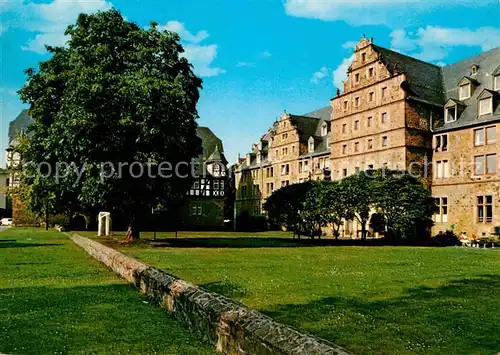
x=257 y=58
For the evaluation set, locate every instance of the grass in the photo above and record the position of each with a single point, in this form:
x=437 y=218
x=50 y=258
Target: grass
x=371 y=300
x=54 y=299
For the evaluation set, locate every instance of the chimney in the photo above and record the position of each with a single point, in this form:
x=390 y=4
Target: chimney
x=248 y=158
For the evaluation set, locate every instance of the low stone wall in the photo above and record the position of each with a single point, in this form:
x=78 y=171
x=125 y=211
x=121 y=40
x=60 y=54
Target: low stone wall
x=230 y=325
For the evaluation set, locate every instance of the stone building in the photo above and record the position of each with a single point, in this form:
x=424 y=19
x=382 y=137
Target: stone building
x=466 y=146
x=398 y=112
x=296 y=148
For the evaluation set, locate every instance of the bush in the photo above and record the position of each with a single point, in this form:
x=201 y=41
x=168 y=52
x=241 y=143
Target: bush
x=446 y=239
x=59 y=219
x=247 y=223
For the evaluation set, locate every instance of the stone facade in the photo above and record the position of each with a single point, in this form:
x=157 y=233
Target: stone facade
x=295 y=149
x=229 y=325
x=389 y=113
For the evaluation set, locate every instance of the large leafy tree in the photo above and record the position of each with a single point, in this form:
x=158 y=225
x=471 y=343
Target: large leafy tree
x=116 y=96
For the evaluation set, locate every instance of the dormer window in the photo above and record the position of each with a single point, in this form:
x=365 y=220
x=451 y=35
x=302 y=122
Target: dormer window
x=311 y=145
x=474 y=68
x=324 y=129
x=450 y=114
x=485 y=106
x=464 y=91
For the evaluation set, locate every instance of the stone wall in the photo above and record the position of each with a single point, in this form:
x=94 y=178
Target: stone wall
x=229 y=325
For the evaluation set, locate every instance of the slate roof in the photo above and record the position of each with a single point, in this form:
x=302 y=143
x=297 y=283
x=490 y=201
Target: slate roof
x=424 y=79
x=19 y=124
x=488 y=62
x=324 y=113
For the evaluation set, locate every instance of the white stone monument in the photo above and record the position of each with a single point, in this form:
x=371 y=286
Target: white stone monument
x=104 y=227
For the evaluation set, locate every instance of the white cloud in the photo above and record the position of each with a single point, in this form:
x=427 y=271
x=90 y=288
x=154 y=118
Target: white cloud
x=340 y=74
x=433 y=43
x=349 y=44
x=265 y=54
x=202 y=57
x=319 y=75
x=50 y=20
x=245 y=64
x=370 y=12
x=176 y=26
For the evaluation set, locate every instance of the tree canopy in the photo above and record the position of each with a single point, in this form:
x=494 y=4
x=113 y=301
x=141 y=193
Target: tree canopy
x=116 y=98
x=399 y=202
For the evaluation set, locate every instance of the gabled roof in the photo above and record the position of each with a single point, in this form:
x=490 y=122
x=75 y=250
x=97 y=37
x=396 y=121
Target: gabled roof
x=19 y=124
x=424 y=79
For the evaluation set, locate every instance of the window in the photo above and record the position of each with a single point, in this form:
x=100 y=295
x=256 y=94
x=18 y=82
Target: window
x=486 y=106
x=370 y=72
x=196 y=185
x=363 y=57
x=199 y=210
x=491 y=135
x=344 y=149
x=345 y=105
x=285 y=169
x=285 y=183
x=488 y=134
x=216 y=185
x=479 y=165
x=194 y=210
x=491 y=164
x=269 y=187
x=344 y=172
x=384 y=92
x=357 y=170
x=324 y=130
x=269 y=172
x=371 y=96
x=356 y=78
x=311 y=146
x=496 y=82
x=344 y=128
x=356 y=147
x=369 y=121
x=442 y=169
x=217 y=169
x=441 y=215
x=284 y=136
x=370 y=166
x=370 y=144
x=356 y=125
x=384 y=117
x=356 y=102
x=485 y=209
x=441 y=143
x=450 y=114
x=384 y=141
x=464 y=91
x=276 y=152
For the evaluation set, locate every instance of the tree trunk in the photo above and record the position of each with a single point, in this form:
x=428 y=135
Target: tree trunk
x=133 y=232
x=363 y=230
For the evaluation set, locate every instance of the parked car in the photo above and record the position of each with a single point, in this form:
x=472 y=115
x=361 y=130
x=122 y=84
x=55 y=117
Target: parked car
x=6 y=221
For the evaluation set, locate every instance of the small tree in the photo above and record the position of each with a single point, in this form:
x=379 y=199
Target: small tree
x=284 y=206
x=357 y=196
x=404 y=202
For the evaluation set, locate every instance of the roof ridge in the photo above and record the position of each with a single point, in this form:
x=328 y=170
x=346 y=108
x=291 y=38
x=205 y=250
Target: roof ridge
x=407 y=56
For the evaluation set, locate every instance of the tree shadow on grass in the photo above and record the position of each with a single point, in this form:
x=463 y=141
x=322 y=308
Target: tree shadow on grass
x=15 y=244
x=109 y=319
x=236 y=242
x=460 y=317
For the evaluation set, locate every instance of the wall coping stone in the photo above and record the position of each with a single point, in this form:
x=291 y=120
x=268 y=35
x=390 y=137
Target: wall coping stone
x=228 y=324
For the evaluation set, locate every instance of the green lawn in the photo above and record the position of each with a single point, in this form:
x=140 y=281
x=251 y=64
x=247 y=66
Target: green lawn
x=54 y=299
x=371 y=300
